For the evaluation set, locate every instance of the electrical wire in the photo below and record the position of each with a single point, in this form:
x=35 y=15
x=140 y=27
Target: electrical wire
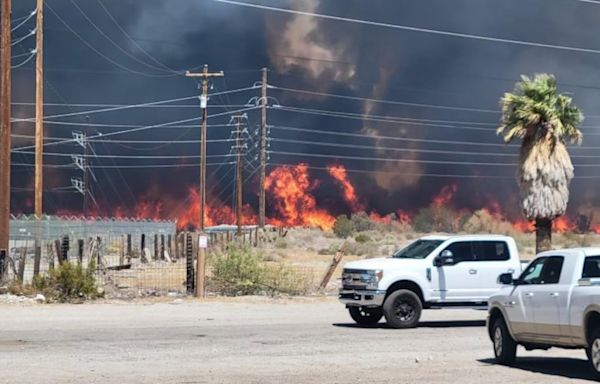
x=90 y=46
x=22 y=38
x=140 y=128
x=124 y=51
x=414 y=29
x=27 y=60
x=25 y=20
x=381 y=101
x=130 y=106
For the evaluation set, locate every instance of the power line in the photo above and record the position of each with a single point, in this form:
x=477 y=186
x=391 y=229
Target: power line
x=109 y=156
x=90 y=46
x=402 y=173
x=379 y=137
x=133 y=141
x=130 y=106
x=142 y=128
x=406 y=139
x=415 y=150
x=25 y=20
x=391 y=102
x=115 y=44
x=415 y=29
x=138 y=46
x=122 y=167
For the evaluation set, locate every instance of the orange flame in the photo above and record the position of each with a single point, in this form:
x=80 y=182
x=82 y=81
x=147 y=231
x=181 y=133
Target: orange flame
x=445 y=196
x=290 y=188
x=339 y=174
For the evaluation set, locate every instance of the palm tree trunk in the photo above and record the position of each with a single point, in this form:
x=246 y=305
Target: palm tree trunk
x=543 y=235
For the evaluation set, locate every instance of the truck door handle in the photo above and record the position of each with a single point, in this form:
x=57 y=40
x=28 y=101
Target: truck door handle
x=472 y=271
x=529 y=294
x=554 y=294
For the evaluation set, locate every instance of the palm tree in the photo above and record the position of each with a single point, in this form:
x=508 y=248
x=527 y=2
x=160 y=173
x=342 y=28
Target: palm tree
x=544 y=120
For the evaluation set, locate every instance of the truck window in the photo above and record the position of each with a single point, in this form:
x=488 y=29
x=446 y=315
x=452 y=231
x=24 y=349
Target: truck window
x=490 y=251
x=545 y=270
x=420 y=249
x=462 y=251
x=591 y=267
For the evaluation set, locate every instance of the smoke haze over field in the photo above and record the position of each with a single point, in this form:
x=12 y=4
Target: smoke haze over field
x=324 y=56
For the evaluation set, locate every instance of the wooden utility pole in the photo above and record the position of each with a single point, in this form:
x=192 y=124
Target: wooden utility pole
x=205 y=75
x=39 y=134
x=5 y=99
x=239 y=180
x=263 y=150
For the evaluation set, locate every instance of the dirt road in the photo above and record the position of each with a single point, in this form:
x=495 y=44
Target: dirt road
x=256 y=341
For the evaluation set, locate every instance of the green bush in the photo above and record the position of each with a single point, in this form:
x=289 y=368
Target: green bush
x=281 y=243
x=423 y=220
x=342 y=227
x=241 y=270
x=68 y=282
x=362 y=238
x=361 y=222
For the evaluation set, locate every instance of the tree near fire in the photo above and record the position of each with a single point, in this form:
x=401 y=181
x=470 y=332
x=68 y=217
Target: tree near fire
x=544 y=120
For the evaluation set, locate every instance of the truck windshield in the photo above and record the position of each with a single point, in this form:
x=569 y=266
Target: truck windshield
x=418 y=250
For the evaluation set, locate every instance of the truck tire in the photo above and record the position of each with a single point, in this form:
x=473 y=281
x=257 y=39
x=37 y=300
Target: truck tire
x=402 y=309
x=593 y=352
x=365 y=316
x=505 y=347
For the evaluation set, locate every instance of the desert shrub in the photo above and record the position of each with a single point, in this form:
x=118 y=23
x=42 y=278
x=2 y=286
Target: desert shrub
x=361 y=222
x=482 y=221
x=572 y=240
x=68 y=282
x=15 y=287
x=342 y=227
x=423 y=220
x=362 y=238
x=241 y=270
x=281 y=243
x=438 y=219
x=325 y=251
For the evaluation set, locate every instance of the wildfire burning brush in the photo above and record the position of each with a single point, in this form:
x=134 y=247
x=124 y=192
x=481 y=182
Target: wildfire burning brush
x=292 y=203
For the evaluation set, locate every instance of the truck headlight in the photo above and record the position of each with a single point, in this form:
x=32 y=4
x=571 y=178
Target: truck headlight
x=375 y=277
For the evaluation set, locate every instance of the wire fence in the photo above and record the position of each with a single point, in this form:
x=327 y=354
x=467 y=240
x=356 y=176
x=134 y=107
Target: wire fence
x=133 y=258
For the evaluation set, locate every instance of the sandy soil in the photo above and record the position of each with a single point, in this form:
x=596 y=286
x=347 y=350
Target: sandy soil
x=255 y=340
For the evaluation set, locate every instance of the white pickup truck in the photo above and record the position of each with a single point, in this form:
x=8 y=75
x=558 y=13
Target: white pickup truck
x=432 y=272
x=554 y=303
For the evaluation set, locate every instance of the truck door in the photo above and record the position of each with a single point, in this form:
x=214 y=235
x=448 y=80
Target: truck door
x=547 y=297
x=458 y=280
x=493 y=259
x=519 y=305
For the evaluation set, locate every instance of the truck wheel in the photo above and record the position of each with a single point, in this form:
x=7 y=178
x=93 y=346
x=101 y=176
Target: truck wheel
x=402 y=309
x=505 y=347
x=593 y=352
x=365 y=316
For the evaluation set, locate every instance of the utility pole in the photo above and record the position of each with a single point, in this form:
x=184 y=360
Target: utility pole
x=86 y=161
x=263 y=150
x=39 y=134
x=205 y=75
x=239 y=180
x=5 y=99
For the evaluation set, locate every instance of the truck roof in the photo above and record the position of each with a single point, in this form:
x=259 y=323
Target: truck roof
x=587 y=251
x=482 y=236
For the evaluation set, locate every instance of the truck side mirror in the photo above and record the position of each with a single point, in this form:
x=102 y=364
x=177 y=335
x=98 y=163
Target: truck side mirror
x=445 y=258
x=506 y=279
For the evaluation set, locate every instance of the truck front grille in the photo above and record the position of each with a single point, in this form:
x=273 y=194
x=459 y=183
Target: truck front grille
x=355 y=279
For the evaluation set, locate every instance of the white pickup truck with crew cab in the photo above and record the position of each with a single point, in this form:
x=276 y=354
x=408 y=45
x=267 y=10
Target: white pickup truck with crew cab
x=432 y=272
x=554 y=303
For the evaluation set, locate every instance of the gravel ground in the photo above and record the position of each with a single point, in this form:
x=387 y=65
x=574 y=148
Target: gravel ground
x=256 y=340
